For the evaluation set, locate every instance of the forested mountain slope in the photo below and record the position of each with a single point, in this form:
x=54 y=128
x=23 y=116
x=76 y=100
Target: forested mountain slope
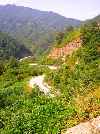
x=10 y=47
x=96 y=19
x=34 y=28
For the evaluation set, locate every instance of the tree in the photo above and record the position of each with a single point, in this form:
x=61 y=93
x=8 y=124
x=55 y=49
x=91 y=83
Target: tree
x=2 y=67
x=59 y=37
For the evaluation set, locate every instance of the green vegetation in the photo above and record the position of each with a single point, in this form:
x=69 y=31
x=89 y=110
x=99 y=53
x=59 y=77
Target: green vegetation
x=47 y=61
x=22 y=112
x=79 y=77
x=33 y=28
x=11 y=47
x=96 y=19
x=78 y=83
x=66 y=37
x=71 y=36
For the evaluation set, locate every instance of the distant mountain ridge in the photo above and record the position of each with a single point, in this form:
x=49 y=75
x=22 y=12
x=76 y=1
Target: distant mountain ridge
x=95 y=19
x=34 y=28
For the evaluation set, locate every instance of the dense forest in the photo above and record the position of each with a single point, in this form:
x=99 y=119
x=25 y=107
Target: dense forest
x=11 y=47
x=29 y=111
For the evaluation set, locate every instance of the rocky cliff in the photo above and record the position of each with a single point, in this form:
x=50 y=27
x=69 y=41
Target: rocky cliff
x=90 y=127
x=66 y=50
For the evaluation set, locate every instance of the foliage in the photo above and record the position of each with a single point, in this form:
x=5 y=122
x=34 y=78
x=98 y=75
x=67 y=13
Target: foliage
x=59 y=37
x=33 y=28
x=28 y=113
x=10 y=47
x=78 y=80
x=79 y=76
x=68 y=36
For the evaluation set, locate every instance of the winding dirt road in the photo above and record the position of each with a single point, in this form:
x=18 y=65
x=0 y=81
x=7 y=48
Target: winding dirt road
x=52 y=67
x=39 y=81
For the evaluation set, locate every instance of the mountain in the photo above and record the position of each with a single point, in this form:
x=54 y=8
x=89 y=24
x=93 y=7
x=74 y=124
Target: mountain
x=34 y=28
x=74 y=91
x=95 y=19
x=10 y=47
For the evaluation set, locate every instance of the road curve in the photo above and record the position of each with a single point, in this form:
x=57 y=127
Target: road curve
x=39 y=81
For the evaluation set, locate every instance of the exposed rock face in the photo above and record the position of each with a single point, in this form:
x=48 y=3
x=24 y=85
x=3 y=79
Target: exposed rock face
x=66 y=50
x=90 y=127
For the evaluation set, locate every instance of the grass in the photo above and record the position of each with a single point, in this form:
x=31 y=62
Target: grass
x=68 y=37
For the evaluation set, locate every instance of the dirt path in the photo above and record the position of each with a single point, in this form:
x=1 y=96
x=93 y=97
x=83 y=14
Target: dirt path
x=22 y=59
x=39 y=81
x=52 y=67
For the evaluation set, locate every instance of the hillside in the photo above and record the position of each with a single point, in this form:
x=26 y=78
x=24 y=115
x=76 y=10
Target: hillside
x=34 y=28
x=10 y=47
x=66 y=43
x=78 y=78
x=95 y=19
x=75 y=86
x=68 y=49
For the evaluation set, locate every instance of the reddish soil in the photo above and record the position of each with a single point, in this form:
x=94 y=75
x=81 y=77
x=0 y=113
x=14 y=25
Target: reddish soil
x=66 y=50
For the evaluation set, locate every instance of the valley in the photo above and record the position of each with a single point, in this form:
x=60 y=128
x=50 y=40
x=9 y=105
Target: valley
x=35 y=29
x=49 y=73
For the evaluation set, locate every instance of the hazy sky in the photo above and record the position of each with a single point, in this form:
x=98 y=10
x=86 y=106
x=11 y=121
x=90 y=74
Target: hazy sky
x=80 y=9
